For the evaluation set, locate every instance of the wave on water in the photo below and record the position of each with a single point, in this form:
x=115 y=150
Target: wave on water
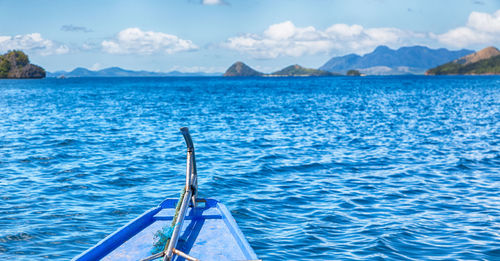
x=334 y=168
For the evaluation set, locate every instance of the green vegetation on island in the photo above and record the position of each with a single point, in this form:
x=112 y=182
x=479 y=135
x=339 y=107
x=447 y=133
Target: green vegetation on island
x=16 y=65
x=353 y=73
x=240 y=69
x=484 y=62
x=297 y=70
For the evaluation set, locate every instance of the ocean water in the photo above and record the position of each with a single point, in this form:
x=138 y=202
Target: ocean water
x=370 y=168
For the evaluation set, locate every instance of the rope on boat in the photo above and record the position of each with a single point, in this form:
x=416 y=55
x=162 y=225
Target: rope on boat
x=162 y=236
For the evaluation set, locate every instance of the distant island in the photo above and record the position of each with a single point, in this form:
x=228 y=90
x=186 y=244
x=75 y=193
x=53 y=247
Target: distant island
x=353 y=73
x=120 y=72
x=240 y=69
x=483 y=62
x=297 y=70
x=16 y=65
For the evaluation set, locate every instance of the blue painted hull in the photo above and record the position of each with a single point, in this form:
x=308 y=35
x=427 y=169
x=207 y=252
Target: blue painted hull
x=208 y=233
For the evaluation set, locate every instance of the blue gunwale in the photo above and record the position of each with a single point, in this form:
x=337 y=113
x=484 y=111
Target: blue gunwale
x=132 y=228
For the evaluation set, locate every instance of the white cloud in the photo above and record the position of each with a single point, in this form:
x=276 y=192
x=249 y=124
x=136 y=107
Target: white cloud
x=89 y=46
x=32 y=43
x=485 y=22
x=481 y=28
x=286 y=39
x=213 y=2
x=136 y=41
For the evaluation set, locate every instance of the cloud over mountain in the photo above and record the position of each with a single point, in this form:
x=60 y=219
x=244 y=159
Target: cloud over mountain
x=136 y=41
x=286 y=39
x=32 y=43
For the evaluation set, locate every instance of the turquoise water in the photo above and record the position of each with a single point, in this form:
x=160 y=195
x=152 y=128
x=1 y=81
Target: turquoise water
x=397 y=168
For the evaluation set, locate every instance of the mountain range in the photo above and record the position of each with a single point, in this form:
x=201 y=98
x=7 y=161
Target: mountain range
x=120 y=72
x=386 y=61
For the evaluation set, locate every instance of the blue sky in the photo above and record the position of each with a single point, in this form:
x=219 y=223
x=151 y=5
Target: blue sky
x=209 y=35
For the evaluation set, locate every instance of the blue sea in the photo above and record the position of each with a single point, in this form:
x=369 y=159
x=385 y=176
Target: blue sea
x=335 y=168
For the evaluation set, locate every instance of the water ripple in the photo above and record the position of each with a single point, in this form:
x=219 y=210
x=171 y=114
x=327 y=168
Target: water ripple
x=398 y=168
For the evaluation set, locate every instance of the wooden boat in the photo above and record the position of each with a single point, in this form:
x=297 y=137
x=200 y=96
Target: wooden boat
x=201 y=229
